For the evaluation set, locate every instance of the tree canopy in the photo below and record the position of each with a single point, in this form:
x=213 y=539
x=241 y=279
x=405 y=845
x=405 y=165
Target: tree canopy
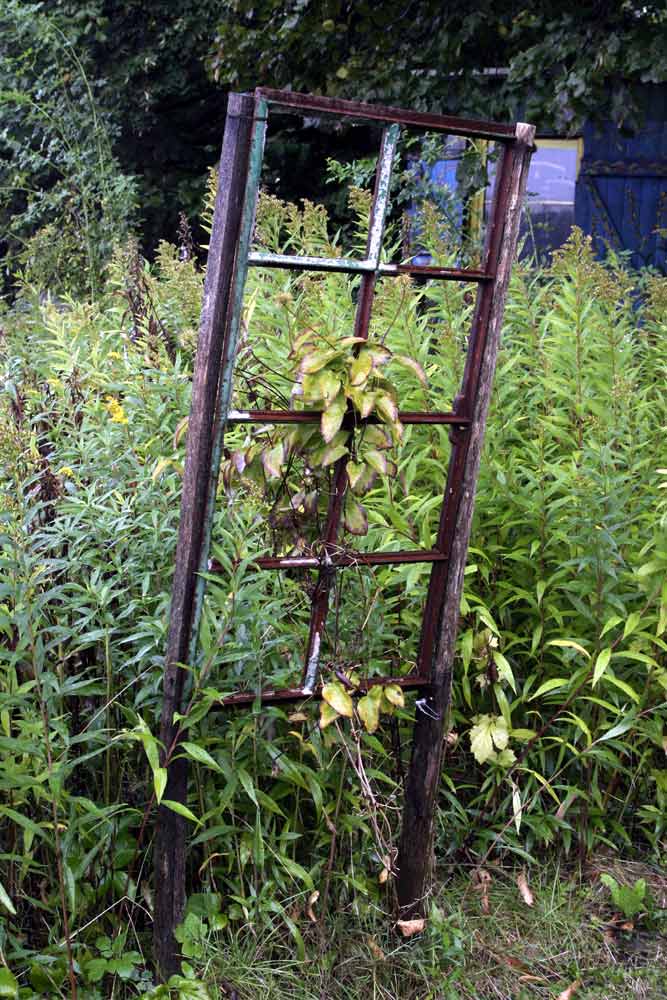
x=159 y=75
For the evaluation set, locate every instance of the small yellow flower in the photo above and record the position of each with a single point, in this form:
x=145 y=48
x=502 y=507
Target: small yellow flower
x=115 y=411
x=115 y=355
x=65 y=471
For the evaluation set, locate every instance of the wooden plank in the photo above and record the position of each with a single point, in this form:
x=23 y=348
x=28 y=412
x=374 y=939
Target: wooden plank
x=170 y=832
x=416 y=843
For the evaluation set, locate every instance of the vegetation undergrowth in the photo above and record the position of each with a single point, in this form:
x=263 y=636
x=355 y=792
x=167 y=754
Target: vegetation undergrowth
x=557 y=738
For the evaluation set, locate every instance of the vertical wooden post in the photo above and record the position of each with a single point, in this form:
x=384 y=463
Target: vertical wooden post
x=170 y=831
x=416 y=844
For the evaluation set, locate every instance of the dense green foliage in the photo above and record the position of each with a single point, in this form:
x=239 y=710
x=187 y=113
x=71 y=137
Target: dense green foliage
x=63 y=198
x=159 y=79
x=559 y=698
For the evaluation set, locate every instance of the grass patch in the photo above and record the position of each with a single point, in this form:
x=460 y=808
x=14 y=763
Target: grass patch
x=482 y=942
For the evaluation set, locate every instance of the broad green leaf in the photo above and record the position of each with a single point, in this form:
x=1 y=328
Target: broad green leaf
x=296 y=870
x=620 y=727
x=159 y=782
x=9 y=986
x=610 y=623
x=182 y=810
x=601 y=664
x=548 y=686
x=248 y=784
x=202 y=756
x=95 y=969
x=337 y=697
x=504 y=669
x=622 y=686
x=6 y=901
x=631 y=623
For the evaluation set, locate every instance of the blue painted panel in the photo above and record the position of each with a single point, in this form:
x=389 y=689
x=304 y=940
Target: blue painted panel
x=626 y=208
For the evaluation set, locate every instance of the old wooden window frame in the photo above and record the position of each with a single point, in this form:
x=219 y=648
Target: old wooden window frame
x=229 y=259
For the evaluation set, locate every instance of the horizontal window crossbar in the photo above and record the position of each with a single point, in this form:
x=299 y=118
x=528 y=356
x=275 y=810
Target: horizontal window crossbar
x=342 y=558
x=271 y=696
x=348 y=265
x=314 y=417
x=469 y=127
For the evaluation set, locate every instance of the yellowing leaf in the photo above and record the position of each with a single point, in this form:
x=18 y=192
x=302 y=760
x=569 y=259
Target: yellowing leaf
x=394 y=694
x=332 y=416
x=368 y=708
x=327 y=715
x=312 y=899
x=386 y=407
x=569 y=644
x=361 y=477
x=360 y=368
x=332 y=454
x=487 y=733
x=337 y=697
x=316 y=360
x=364 y=401
x=376 y=460
x=181 y=428
x=377 y=437
x=355 y=519
x=413 y=366
x=517 y=806
x=323 y=386
x=272 y=460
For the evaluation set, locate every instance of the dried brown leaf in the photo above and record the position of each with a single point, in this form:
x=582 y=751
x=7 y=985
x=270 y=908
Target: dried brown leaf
x=524 y=889
x=312 y=899
x=568 y=993
x=482 y=880
x=410 y=927
x=375 y=949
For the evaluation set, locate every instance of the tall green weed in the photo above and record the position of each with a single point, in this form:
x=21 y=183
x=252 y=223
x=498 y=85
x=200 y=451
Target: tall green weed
x=559 y=696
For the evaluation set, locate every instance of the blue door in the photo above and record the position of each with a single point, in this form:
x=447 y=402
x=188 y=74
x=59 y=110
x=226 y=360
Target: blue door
x=621 y=195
